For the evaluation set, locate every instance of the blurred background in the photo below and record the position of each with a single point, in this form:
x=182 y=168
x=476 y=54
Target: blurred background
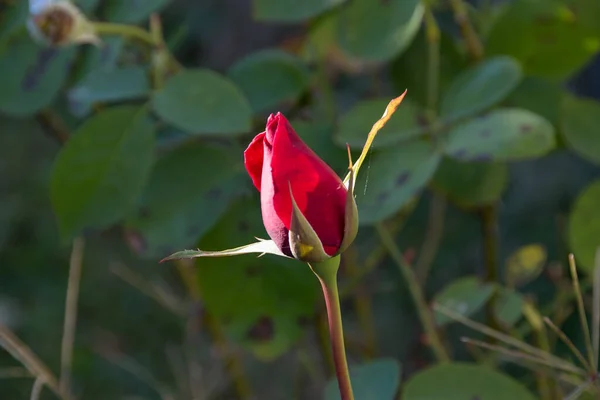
x=114 y=156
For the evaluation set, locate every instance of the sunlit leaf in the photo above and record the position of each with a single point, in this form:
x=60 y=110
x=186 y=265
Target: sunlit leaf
x=269 y=77
x=480 y=87
x=501 y=135
x=525 y=264
x=378 y=30
x=202 y=102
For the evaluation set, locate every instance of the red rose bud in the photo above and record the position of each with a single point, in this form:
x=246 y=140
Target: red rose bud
x=306 y=209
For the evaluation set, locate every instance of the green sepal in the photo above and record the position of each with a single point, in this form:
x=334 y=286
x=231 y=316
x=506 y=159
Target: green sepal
x=261 y=247
x=350 y=215
x=304 y=241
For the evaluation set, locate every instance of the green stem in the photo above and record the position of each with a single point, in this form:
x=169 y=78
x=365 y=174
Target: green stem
x=432 y=33
x=132 y=31
x=425 y=314
x=327 y=273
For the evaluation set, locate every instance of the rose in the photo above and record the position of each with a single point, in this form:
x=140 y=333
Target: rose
x=282 y=168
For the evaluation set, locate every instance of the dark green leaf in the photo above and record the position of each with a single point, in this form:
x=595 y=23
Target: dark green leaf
x=465 y=296
x=406 y=123
x=463 y=381
x=270 y=77
x=132 y=11
x=535 y=32
x=584 y=227
x=31 y=75
x=189 y=190
x=264 y=302
x=395 y=175
x=580 y=123
x=537 y=95
x=102 y=85
x=480 y=87
x=377 y=380
x=471 y=184
x=102 y=169
x=501 y=135
x=200 y=101
x=378 y=30
x=291 y=10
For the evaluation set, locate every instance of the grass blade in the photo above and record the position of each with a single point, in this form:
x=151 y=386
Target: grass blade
x=565 y=339
x=581 y=309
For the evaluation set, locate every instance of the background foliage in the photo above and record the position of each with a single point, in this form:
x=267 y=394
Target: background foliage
x=483 y=181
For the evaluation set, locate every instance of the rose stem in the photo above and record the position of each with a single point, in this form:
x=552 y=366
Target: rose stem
x=327 y=273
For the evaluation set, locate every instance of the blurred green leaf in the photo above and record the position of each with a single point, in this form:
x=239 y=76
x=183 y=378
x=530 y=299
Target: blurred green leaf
x=112 y=85
x=580 y=122
x=537 y=95
x=102 y=169
x=461 y=381
x=406 y=123
x=508 y=307
x=13 y=18
x=408 y=72
x=395 y=175
x=525 y=264
x=505 y=134
x=189 y=189
x=264 y=302
x=291 y=10
x=376 y=380
x=471 y=184
x=131 y=11
x=587 y=13
x=584 y=227
x=478 y=88
x=200 y=101
x=32 y=76
x=270 y=77
x=378 y=30
x=465 y=296
x=536 y=31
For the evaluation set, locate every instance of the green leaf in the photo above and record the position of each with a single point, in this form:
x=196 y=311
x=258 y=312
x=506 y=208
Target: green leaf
x=269 y=78
x=378 y=30
x=525 y=264
x=508 y=307
x=394 y=177
x=506 y=134
x=291 y=10
x=580 y=121
x=588 y=14
x=471 y=184
x=537 y=95
x=263 y=302
x=478 y=88
x=465 y=296
x=535 y=31
x=113 y=85
x=355 y=124
x=190 y=188
x=200 y=101
x=376 y=380
x=14 y=17
x=584 y=227
x=132 y=11
x=461 y=381
x=102 y=169
x=32 y=76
